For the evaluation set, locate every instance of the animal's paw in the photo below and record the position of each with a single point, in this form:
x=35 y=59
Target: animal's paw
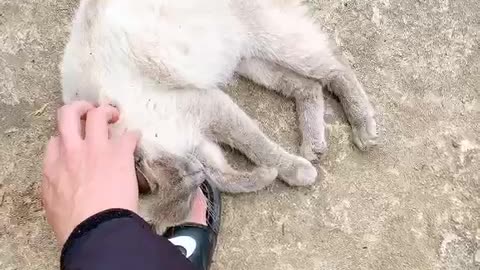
x=299 y=172
x=365 y=135
x=264 y=176
x=259 y=178
x=312 y=150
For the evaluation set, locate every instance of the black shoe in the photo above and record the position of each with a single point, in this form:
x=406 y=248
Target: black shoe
x=196 y=241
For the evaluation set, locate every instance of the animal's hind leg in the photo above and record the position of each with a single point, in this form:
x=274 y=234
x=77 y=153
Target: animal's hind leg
x=308 y=98
x=294 y=42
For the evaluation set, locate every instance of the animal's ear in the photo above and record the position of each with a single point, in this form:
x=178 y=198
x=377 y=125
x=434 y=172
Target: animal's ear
x=143 y=186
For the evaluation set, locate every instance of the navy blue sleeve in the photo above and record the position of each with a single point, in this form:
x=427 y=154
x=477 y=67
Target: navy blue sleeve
x=119 y=239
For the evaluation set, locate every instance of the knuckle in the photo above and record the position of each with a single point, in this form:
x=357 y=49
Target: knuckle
x=100 y=111
x=104 y=113
x=94 y=115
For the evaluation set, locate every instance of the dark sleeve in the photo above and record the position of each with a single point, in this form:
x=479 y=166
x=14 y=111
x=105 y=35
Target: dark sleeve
x=119 y=239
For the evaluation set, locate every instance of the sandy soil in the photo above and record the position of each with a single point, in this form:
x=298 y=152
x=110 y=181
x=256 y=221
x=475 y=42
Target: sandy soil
x=412 y=203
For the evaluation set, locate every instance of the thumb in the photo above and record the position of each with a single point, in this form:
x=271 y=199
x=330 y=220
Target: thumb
x=130 y=140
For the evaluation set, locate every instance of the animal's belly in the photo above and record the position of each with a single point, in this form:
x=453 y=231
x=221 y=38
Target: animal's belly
x=158 y=116
x=195 y=43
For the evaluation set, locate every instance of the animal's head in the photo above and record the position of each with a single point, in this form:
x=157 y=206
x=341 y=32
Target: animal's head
x=170 y=182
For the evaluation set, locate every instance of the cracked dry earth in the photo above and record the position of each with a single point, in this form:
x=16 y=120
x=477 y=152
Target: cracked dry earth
x=412 y=203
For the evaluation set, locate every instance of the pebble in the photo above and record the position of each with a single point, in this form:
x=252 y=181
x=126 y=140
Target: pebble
x=11 y=130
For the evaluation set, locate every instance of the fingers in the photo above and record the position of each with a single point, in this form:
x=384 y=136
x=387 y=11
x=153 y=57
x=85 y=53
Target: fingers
x=69 y=122
x=96 y=126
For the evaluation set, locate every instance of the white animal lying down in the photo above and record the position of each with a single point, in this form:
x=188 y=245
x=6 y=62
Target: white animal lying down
x=161 y=62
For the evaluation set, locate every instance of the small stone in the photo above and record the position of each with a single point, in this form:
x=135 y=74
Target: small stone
x=477 y=257
x=41 y=110
x=455 y=144
x=2 y=197
x=457 y=217
x=11 y=130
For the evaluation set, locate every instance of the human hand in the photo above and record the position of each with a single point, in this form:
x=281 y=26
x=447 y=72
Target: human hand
x=86 y=174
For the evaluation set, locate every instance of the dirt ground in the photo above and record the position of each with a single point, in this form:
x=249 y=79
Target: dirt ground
x=412 y=203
